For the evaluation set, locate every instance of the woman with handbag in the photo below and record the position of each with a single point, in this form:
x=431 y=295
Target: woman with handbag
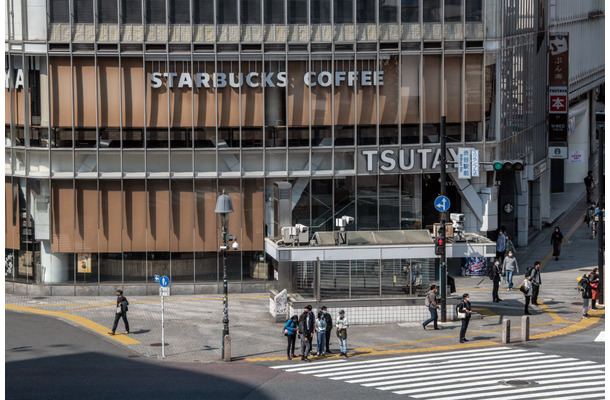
x=290 y=331
x=526 y=289
x=464 y=313
x=594 y=281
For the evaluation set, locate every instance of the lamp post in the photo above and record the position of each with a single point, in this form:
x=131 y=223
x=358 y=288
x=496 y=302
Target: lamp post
x=224 y=207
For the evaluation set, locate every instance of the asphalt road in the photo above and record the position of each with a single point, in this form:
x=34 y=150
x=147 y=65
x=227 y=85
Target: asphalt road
x=50 y=359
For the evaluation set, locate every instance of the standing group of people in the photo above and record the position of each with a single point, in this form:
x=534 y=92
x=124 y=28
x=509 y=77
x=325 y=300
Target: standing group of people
x=307 y=325
x=589 y=290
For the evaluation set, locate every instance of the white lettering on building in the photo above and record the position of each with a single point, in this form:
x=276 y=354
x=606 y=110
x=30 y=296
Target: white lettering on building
x=18 y=79
x=388 y=158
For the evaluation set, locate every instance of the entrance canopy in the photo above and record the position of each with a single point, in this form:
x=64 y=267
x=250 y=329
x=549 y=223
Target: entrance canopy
x=376 y=245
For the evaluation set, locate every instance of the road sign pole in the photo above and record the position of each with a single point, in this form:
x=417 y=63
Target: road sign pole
x=443 y=260
x=162 y=327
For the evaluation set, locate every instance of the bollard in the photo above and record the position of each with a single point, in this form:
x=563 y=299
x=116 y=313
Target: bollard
x=525 y=328
x=227 y=354
x=506 y=331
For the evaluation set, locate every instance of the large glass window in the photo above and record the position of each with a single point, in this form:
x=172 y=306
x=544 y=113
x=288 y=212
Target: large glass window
x=275 y=107
x=388 y=11
x=431 y=10
x=367 y=203
x=367 y=100
x=344 y=103
x=322 y=205
x=226 y=11
x=388 y=100
x=59 y=11
x=409 y=11
x=365 y=11
x=203 y=12
x=131 y=11
x=155 y=11
x=297 y=11
x=250 y=11
x=410 y=202
x=474 y=11
x=453 y=97
x=179 y=12
x=83 y=11
x=409 y=101
x=345 y=198
x=321 y=105
x=343 y=12
x=474 y=86
x=432 y=98
x=320 y=11
x=107 y=12
x=274 y=11
x=453 y=10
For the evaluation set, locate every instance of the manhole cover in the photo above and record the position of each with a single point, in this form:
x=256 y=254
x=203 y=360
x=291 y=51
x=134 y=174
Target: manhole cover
x=158 y=344
x=518 y=383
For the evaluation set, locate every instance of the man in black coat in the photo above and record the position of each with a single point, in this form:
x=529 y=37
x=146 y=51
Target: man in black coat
x=306 y=328
x=329 y=325
x=536 y=280
x=496 y=271
x=121 y=312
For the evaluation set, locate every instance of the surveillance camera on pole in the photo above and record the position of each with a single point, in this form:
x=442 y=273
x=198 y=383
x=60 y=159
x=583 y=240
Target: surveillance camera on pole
x=341 y=223
x=458 y=228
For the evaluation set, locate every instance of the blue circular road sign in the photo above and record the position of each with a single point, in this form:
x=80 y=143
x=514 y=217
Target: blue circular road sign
x=442 y=203
x=164 y=281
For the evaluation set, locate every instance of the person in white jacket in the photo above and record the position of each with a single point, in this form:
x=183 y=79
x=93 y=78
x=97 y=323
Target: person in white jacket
x=342 y=325
x=527 y=292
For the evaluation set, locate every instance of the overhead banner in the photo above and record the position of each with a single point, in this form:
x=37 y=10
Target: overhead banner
x=558 y=87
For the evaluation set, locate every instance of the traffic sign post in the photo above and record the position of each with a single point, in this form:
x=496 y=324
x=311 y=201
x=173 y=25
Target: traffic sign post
x=163 y=291
x=442 y=203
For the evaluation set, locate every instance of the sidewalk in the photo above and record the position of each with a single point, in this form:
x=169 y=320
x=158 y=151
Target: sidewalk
x=193 y=324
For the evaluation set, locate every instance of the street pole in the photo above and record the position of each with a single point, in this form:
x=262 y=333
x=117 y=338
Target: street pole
x=443 y=260
x=162 y=327
x=600 y=218
x=225 y=290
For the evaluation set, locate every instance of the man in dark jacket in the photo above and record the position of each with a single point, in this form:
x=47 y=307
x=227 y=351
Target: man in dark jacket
x=496 y=271
x=121 y=312
x=306 y=328
x=464 y=307
x=329 y=324
x=536 y=281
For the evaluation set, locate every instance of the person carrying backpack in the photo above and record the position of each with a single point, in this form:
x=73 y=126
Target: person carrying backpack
x=121 y=312
x=290 y=330
x=585 y=290
x=464 y=308
x=430 y=302
x=306 y=332
x=329 y=324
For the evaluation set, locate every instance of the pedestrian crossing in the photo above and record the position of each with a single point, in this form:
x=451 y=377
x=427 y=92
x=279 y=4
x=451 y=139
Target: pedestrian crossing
x=495 y=372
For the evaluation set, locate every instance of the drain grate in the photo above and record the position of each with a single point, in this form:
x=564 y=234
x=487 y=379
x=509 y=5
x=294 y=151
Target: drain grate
x=518 y=383
x=158 y=344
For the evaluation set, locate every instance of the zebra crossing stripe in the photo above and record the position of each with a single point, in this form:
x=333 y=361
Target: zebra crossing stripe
x=420 y=367
x=569 y=370
x=426 y=372
x=496 y=390
x=540 y=378
x=411 y=357
x=598 y=394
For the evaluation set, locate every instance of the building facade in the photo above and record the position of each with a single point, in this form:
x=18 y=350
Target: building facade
x=125 y=120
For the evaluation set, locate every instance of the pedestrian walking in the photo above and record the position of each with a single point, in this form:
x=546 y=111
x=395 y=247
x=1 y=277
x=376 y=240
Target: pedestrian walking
x=526 y=288
x=585 y=290
x=305 y=332
x=496 y=272
x=432 y=305
x=321 y=333
x=594 y=281
x=501 y=245
x=121 y=312
x=329 y=324
x=556 y=241
x=509 y=267
x=290 y=330
x=509 y=244
x=590 y=219
x=464 y=312
x=342 y=333
x=589 y=185
x=536 y=281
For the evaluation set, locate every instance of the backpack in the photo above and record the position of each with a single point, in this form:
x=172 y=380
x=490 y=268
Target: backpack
x=126 y=304
x=427 y=301
x=583 y=284
x=528 y=272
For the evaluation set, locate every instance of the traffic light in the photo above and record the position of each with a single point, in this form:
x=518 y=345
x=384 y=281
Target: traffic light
x=509 y=165
x=439 y=246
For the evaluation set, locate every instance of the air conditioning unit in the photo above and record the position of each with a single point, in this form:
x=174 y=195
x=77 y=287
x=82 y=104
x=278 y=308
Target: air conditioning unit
x=295 y=234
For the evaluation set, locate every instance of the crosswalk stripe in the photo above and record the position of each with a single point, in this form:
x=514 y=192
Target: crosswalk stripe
x=411 y=357
x=472 y=395
x=568 y=371
x=393 y=364
x=541 y=379
x=444 y=376
x=424 y=367
x=601 y=337
x=543 y=360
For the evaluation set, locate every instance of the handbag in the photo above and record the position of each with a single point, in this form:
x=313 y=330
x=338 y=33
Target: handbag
x=285 y=332
x=118 y=309
x=460 y=315
x=523 y=289
x=502 y=280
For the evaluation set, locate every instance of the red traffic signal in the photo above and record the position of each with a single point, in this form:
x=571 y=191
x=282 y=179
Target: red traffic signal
x=439 y=246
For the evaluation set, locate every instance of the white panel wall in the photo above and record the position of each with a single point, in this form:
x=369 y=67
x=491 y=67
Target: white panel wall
x=37 y=19
x=578 y=140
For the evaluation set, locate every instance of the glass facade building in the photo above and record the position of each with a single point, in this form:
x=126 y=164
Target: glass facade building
x=125 y=120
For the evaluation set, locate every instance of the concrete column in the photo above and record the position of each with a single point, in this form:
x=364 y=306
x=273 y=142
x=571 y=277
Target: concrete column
x=522 y=209
x=506 y=331
x=545 y=194
x=525 y=328
x=227 y=354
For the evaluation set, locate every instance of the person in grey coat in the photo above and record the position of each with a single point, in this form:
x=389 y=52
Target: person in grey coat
x=432 y=307
x=509 y=267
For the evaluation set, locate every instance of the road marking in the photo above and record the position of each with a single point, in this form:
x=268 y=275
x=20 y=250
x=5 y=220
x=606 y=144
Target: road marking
x=495 y=372
x=601 y=337
x=93 y=326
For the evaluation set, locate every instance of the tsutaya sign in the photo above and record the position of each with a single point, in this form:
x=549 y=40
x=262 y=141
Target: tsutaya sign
x=407 y=159
x=264 y=79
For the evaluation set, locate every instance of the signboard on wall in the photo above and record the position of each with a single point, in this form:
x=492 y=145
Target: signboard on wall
x=577 y=156
x=560 y=152
x=558 y=88
x=84 y=263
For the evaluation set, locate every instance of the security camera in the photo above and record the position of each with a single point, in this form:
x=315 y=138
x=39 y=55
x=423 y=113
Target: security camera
x=235 y=245
x=456 y=217
x=348 y=220
x=301 y=228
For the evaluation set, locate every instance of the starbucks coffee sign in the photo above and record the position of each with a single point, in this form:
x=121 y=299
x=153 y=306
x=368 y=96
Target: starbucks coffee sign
x=263 y=79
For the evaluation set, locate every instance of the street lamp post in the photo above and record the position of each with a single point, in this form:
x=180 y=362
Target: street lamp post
x=224 y=207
